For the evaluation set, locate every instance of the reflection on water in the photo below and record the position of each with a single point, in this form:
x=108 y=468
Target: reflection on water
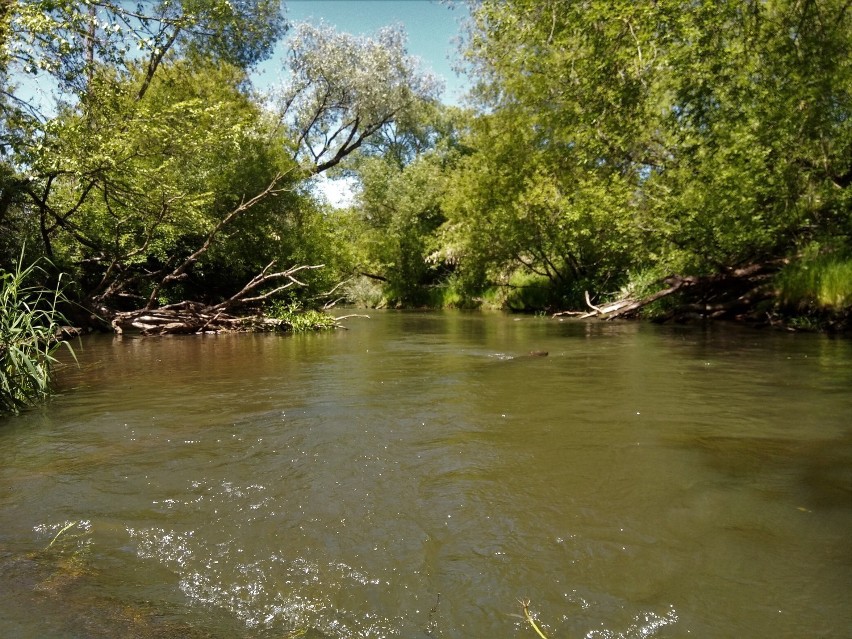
x=417 y=475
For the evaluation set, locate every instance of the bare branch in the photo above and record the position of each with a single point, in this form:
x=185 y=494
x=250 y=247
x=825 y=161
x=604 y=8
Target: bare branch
x=180 y=272
x=260 y=279
x=154 y=62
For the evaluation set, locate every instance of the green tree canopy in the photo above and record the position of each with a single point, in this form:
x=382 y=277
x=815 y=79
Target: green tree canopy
x=692 y=138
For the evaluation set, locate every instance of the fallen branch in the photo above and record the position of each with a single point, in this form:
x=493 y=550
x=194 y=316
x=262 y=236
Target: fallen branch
x=570 y=313
x=343 y=317
x=732 y=293
x=259 y=280
x=120 y=275
x=630 y=307
x=326 y=306
x=590 y=305
x=194 y=317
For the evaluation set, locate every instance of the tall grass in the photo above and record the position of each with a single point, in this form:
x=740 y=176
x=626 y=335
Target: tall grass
x=29 y=325
x=821 y=282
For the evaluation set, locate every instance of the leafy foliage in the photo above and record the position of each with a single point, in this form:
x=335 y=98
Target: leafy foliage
x=299 y=319
x=685 y=138
x=69 y=40
x=549 y=191
x=617 y=146
x=129 y=203
x=399 y=209
x=159 y=176
x=756 y=132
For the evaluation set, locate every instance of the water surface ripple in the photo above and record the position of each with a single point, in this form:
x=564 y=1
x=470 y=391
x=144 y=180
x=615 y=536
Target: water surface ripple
x=418 y=474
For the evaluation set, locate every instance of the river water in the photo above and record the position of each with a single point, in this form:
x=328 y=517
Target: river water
x=417 y=475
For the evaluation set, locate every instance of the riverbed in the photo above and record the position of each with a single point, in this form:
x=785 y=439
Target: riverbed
x=420 y=474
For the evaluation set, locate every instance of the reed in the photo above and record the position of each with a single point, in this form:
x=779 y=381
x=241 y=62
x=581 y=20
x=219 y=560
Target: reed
x=29 y=325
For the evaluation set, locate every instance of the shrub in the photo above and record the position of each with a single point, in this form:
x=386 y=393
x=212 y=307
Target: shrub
x=298 y=319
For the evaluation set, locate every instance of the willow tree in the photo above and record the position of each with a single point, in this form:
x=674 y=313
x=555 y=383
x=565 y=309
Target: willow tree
x=348 y=93
x=360 y=105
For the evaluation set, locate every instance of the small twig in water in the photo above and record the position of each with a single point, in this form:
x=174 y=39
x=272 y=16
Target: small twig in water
x=525 y=604
x=66 y=527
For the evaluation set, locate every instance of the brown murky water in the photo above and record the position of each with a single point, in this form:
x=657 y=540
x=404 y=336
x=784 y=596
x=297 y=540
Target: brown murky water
x=415 y=477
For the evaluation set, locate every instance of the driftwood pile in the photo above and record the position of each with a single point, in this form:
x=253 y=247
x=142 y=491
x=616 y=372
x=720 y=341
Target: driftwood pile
x=191 y=317
x=196 y=317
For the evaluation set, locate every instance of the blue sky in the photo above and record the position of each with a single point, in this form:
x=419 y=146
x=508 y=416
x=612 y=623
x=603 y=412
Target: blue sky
x=433 y=29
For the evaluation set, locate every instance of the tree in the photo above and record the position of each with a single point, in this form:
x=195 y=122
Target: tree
x=76 y=49
x=693 y=139
x=360 y=105
x=549 y=192
x=69 y=40
x=400 y=210
x=161 y=181
x=128 y=202
x=345 y=91
x=399 y=206
x=757 y=132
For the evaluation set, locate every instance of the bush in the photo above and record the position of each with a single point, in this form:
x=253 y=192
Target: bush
x=365 y=292
x=299 y=319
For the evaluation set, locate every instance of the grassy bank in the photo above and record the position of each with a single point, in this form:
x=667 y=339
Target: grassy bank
x=815 y=292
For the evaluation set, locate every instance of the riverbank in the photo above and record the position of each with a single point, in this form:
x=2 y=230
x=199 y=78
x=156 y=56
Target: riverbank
x=805 y=296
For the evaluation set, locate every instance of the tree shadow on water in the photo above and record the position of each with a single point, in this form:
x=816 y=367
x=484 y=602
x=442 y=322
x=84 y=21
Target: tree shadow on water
x=817 y=471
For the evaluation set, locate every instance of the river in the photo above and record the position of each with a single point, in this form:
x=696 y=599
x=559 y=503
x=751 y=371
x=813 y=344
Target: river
x=417 y=475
